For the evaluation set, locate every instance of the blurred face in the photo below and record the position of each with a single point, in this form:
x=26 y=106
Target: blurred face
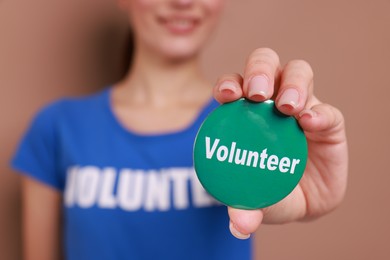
x=175 y=29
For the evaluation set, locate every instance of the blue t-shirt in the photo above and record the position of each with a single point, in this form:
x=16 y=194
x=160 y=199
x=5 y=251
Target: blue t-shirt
x=126 y=195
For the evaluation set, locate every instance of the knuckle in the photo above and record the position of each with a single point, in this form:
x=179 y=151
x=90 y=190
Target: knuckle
x=339 y=117
x=302 y=66
x=265 y=51
x=258 y=66
x=266 y=55
x=271 y=53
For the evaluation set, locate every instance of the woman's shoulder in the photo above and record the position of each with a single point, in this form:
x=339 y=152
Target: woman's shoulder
x=73 y=105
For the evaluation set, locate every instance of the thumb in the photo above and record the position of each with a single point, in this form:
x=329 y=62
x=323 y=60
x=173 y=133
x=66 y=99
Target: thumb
x=244 y=222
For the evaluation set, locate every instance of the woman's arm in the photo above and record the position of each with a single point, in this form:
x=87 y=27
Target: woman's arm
x=41 y=221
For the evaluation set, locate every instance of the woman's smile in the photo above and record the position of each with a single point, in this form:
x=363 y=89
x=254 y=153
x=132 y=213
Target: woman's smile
x=179 y=24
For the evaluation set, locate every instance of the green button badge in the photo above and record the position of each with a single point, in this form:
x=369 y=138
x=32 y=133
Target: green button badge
x=249 y=155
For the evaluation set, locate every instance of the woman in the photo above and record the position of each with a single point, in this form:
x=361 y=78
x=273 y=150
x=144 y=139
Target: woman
x=109 y=176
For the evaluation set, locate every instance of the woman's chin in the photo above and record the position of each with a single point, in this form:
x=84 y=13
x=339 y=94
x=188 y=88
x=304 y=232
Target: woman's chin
x=180 y=54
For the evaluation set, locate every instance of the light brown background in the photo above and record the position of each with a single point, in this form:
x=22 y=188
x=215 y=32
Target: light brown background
x=53 y=48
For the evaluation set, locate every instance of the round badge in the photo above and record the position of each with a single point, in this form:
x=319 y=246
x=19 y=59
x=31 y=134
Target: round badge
x=249 y=155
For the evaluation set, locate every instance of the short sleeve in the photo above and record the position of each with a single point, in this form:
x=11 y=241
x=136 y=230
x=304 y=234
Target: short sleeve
x=36 y=154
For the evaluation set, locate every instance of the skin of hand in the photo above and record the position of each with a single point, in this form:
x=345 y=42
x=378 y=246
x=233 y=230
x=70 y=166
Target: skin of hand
x=323 y=184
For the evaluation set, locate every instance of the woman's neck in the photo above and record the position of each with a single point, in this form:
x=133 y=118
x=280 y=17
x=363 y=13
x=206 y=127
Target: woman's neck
x=157 y=81
x=160 y=95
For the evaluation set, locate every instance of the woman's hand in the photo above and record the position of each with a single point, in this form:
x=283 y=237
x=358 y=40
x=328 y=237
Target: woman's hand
x=323 y=184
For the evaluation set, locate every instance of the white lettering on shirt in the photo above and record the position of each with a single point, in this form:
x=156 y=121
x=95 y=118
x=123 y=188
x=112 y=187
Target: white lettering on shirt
x=132 y=190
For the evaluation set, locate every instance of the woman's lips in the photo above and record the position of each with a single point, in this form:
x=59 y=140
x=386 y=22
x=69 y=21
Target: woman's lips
x=179 y=25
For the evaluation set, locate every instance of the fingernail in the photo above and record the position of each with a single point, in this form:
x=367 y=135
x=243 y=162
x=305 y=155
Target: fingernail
x=258 y=86
x=307 y=112
x=289 y=97
x=236 y=233
x=227 y=87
